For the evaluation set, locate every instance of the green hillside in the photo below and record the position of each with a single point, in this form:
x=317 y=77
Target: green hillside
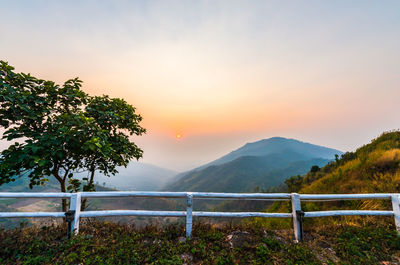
x=246 y=173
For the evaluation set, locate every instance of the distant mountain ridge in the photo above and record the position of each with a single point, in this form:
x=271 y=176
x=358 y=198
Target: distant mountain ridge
x=264 y=164
x=276 y=145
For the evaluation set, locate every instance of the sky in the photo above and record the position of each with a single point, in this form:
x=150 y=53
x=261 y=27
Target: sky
x=221 y=73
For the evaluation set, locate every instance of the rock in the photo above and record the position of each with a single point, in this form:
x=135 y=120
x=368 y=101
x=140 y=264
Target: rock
x=187 y=258
x=157 y=241
x=240 y=239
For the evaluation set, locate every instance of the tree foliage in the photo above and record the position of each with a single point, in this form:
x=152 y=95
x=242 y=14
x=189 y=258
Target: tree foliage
x=58 y=130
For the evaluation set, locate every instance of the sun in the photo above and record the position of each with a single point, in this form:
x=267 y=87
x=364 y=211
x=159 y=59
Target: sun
x=178 y=136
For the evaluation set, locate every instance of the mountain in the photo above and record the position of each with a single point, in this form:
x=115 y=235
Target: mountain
x=261 y=164
x=277 y=145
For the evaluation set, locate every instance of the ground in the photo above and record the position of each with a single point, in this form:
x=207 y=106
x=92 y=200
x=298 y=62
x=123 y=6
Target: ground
x=111 y=243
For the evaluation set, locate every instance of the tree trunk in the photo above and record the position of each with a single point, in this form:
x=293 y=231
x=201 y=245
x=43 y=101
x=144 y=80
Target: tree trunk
x=83 y=204
x=90 y=183
x=62 y=188
x=63 y=200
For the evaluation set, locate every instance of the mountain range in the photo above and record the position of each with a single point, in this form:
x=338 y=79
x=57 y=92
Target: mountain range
x=258 y=165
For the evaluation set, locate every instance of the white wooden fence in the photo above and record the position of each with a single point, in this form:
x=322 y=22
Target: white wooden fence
x=74 y=214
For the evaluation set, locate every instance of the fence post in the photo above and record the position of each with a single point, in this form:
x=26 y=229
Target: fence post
x=75 y=206
x=189 y=216
x=396 y=211
x=298 y=215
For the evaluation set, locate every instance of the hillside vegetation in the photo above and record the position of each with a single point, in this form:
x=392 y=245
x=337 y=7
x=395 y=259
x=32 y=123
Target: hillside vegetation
x=372 y=168
x=246 y=173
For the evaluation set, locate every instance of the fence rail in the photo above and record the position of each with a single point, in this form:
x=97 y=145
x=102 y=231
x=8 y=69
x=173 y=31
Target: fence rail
x=74 y=214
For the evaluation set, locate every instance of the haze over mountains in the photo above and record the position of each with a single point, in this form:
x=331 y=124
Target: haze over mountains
x=263 y=164
x=138 y=176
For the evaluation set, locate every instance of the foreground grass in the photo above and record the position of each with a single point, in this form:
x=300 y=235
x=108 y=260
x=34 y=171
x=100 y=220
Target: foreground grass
x=110 y=243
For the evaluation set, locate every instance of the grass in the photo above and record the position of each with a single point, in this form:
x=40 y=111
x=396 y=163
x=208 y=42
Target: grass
x=111 y=243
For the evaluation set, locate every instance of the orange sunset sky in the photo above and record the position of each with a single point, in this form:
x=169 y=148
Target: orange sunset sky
x=221 y=73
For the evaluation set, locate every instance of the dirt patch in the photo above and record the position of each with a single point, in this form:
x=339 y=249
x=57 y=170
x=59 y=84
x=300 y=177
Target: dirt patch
x=41 y=206
x=37 y=206
x=26 y=203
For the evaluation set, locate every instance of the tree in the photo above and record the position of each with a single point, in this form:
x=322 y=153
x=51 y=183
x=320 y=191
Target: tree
x=60 y=130
x=315 y=169
x=294 y=183
x=337 y=158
